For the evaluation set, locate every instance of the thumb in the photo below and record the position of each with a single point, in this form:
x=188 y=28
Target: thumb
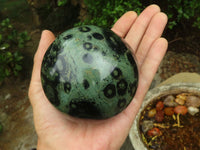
x=35 y=89
x=47 y=38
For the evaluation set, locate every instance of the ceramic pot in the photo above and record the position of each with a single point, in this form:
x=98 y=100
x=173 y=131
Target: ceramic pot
x=152 y=95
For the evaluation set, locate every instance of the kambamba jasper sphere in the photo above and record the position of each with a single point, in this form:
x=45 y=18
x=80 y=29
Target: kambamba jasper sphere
x=89 y=72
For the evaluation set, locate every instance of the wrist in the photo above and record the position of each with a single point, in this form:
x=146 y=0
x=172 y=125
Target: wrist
x=75 y=146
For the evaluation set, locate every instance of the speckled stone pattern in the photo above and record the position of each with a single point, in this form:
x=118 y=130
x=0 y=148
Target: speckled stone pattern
x=89 y=72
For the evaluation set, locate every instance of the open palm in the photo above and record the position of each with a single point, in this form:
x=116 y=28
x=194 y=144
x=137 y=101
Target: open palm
x=58 y=131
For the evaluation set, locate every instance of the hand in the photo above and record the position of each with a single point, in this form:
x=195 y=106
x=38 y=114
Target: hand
x=58 y=131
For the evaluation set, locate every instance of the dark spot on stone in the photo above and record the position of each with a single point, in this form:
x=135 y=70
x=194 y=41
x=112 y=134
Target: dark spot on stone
x=95 y=48
x=135 y=71
x=49 y=59
x=132 y=88
x=86 y=84
x=116 y=73
x=84 y=108
x=114 y=42
x=51 y=94
x=67 y=87
x=67 y=37
x=122 y=87
x=84 y=29
x=121 y=103
x=109 y=91
x=130 y=58
x=98 y=36
x=87 y=46
x=51 y=54
x=89 y=37
x=55 y=47
x=48 y=79
x=103 y=53
x=56 y=77
x=116 y=56
x=87 y=58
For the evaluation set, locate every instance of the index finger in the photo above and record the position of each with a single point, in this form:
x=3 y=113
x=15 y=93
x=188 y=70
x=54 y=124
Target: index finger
x=122 y=26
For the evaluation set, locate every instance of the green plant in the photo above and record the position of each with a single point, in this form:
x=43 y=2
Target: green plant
x=180 y=10
x=105 y=13
x=197 y=23
x=61 y=2
x=11 y=42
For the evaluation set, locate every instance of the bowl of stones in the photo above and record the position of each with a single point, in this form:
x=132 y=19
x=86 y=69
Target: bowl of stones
x=169 y=118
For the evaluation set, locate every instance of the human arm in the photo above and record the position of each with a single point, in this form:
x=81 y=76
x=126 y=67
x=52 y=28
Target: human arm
x=58 y=131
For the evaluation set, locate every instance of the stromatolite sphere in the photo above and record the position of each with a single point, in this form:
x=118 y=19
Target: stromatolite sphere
x=89 y=72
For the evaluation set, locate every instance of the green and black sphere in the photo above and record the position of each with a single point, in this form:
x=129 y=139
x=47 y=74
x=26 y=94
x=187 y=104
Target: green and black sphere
x=89 y=72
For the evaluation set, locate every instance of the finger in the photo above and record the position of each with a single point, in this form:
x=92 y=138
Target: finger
x=153 y=32
x=35 y=89
x=122 y=26
x=152 y=62
x=147 y=72
x=47 y=38
x=138 y=29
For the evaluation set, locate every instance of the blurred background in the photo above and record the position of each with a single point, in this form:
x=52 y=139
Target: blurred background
x=22 y=21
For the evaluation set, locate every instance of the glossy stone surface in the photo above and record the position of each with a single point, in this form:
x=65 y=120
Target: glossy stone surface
x=89 y=72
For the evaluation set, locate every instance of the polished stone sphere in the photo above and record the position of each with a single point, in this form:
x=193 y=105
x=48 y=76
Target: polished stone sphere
x=89 y=72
